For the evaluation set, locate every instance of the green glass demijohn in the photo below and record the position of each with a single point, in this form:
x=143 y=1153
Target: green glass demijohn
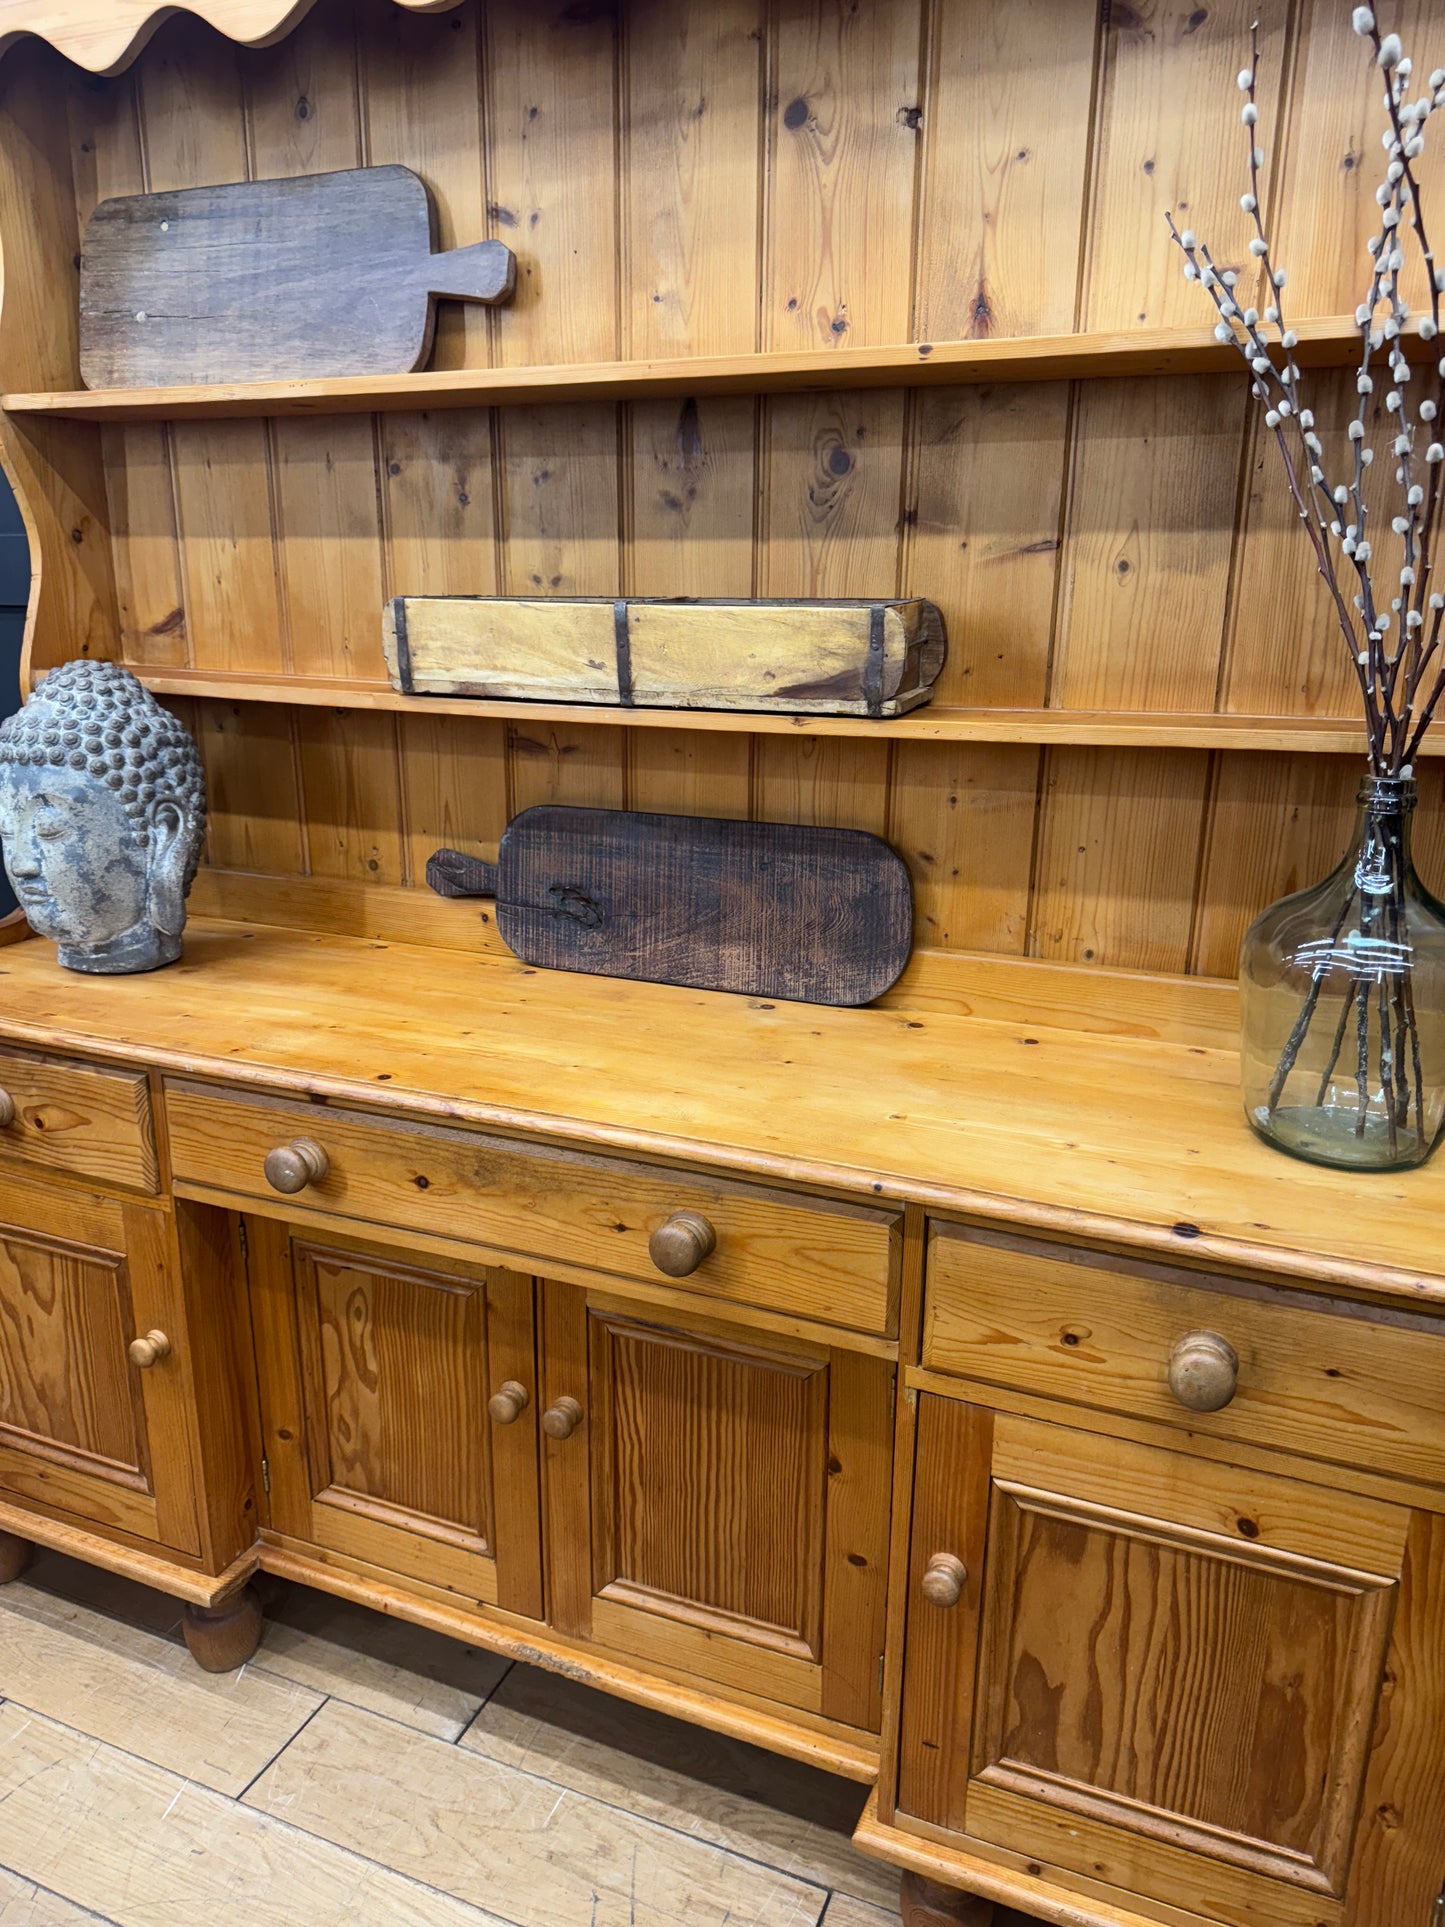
x=1343 y=991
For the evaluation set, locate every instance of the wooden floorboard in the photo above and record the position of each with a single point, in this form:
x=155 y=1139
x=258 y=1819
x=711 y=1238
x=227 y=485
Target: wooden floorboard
x=147 y=1848
x=387 y=1778
x=419 y=1678
x=507 y=1841
x=23 y=1904
x=703 y=1785
x=144 y=1694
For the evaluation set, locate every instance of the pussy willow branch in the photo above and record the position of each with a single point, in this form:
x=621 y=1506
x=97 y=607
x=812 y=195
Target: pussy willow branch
x=1312 y=451
x=1391 y=674
x=1396 y=642
x=1310 y=442
x=1411 y=643
x=1255 y=351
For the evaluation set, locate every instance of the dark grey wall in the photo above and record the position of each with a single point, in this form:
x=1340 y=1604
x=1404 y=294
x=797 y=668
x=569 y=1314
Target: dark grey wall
x=14 y=589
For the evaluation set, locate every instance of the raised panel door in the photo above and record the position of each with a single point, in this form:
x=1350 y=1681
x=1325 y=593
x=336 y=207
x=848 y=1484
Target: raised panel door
x=1151 y=1672
x=718 y=1501
x=683 y=1525
x=83 y=1427
x=376 y=1377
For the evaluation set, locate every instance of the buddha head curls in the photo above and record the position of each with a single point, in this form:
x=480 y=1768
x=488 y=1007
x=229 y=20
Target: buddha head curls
x=97 y=718
x=102 y=812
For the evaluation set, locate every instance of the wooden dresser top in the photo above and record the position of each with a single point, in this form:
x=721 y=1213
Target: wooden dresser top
x=1131 y=1141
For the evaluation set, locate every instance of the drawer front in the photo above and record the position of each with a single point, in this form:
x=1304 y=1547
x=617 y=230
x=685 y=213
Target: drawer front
x=71 y=1117
x=1327 y=1385
x=828 y=1262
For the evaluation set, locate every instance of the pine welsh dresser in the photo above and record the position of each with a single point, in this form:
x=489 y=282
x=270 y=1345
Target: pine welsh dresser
x=950 y=1393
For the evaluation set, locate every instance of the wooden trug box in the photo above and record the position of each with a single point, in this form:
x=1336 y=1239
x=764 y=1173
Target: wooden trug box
x=825 y=658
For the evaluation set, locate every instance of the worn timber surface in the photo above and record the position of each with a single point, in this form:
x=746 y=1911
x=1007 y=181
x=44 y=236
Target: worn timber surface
x=324 y=274
x=804 y=656
x=772 y=909
x=1127 y=1140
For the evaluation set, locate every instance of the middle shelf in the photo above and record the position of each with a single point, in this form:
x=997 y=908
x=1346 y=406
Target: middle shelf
x=1324 y=341
x=1105 y=728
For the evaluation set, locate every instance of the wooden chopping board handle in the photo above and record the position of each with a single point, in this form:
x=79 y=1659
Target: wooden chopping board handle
x=486 y=271
x=452 y=874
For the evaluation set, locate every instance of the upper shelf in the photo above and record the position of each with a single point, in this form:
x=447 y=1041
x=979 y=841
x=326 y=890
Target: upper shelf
x=1101 y=728
x=1327 y=342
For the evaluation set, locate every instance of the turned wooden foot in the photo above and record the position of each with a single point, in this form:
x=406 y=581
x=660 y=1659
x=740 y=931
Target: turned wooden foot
x=224 y=1636
x=15 y=1556
x=923 y=1904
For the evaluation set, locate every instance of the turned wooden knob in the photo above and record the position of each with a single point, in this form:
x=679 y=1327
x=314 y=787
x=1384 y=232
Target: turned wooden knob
x=679 y=1246
x=561 y=1420
x=150 y=1350
x=943 y=1579
x=7 y=1110
x=508 y=1404
x=1204 y=1371
x=291 y=1167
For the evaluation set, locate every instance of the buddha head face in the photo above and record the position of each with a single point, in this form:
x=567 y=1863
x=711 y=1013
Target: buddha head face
x=102 y=814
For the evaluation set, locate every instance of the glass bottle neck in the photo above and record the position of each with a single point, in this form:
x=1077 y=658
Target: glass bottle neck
x=1381 y=851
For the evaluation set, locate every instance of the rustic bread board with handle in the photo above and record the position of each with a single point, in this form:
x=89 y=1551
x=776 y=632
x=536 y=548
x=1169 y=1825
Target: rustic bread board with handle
x=771 y=909
x=824 y=658
x=324 y=274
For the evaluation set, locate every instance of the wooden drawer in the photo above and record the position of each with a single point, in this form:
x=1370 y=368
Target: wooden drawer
x=830 y=1262
x=1337 y=1384
x=71 y=1117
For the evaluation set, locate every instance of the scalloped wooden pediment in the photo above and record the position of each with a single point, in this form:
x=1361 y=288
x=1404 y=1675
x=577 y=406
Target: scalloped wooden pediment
x=105 y=35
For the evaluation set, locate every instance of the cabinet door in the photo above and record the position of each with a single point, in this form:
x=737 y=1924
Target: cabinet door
x=375 y=1379
x=1151 y=1671
x=718 y=1502
x=83 y=1429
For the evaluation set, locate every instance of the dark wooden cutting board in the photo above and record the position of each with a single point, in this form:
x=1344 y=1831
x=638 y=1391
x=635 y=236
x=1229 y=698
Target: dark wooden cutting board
x=772 y=909
x=325 y=274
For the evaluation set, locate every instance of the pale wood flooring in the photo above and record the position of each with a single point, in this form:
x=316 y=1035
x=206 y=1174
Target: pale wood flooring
x=364 y=1773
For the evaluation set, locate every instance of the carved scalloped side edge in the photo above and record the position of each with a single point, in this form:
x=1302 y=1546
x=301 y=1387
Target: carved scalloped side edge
x=56 y=473
x=104 y=36
x=59 y=481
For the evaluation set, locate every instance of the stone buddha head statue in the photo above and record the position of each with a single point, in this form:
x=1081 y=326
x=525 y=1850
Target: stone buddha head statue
x=102 y=815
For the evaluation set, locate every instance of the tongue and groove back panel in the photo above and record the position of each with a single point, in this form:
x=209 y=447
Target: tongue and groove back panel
x=717 y=176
